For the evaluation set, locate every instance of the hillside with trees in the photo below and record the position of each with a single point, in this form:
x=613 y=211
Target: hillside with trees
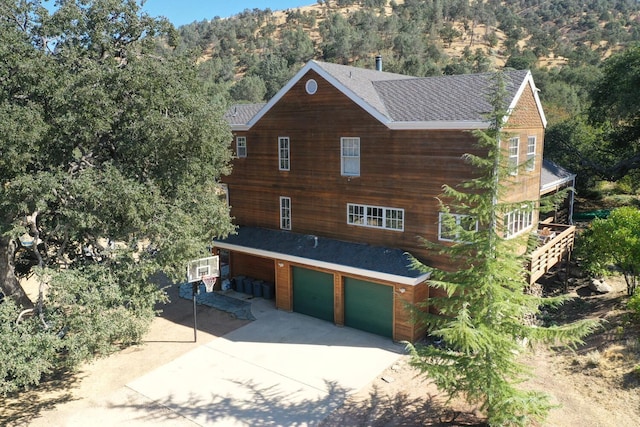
x=249 y=57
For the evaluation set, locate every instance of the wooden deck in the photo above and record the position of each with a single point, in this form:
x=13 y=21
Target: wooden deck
x=556 y=241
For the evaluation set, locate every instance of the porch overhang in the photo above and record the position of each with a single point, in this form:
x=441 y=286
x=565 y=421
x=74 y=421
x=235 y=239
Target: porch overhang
x=375 y=262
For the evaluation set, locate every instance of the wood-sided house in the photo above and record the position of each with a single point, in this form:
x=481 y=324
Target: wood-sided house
x=336 y=177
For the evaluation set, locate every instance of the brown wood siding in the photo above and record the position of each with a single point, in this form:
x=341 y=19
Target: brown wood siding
x=398 y=169
x=420 y=296
x=338 y=299
x=252 y=266
x=284 y=286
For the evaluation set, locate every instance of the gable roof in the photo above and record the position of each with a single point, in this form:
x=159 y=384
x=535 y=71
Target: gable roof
x=405 y=102
x=552 y=176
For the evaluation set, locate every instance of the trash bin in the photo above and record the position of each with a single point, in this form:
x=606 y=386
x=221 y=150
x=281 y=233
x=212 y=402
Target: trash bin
x=268 y=290
x=236 y=284
x=257 y=288
x=247 y=285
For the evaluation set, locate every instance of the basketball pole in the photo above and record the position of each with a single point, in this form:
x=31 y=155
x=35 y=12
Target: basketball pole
x=194 y=291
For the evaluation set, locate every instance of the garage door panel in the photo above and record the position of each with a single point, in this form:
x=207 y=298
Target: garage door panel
x=313 y=293
x=368 y=306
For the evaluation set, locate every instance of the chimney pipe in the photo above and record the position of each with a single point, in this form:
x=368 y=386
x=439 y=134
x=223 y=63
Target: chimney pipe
x=378 y=62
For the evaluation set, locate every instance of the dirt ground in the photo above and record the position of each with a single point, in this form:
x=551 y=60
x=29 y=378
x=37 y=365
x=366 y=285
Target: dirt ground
x=595 y=385
x=56 y=403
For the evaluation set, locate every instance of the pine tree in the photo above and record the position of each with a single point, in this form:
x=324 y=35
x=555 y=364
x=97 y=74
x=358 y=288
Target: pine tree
x=480 y=321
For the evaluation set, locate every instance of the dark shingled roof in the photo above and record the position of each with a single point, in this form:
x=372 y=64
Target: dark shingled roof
x=360 y=82
x=552 y=175
x=240 y=114
x=445 y=98
x=357 y=255
x=400 y=98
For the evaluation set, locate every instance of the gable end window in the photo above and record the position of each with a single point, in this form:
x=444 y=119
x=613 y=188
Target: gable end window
x=283 y=153
x=241 y=146
x=350 y=156
x=513 y=155
x=531 y=153
x=451 y=225
x=285 y=213
x=375 y=216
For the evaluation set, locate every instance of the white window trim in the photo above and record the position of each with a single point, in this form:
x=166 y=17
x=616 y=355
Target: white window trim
x=513 y=158
x=517 y=222
x=344 y=158
x=285 y=213
x=284 y=154
x=376 y=222
x=241 y=147
x=531 y=143
x=458 y=218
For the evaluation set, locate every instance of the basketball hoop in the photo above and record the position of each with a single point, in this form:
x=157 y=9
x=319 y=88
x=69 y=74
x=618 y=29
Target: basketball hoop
x=209 y=282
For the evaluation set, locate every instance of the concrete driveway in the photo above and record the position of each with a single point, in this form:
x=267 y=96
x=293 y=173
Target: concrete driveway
x=284 y=369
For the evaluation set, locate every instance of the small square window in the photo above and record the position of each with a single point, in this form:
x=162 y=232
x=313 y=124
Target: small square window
x=451 y=226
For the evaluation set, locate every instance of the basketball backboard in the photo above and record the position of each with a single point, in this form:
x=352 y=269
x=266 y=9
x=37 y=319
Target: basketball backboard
x=203 y=267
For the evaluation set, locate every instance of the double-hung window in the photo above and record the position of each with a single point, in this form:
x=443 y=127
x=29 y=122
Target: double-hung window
x=451 y=226
x=241 y=146
x=285 y=213
x=514 y=143
x=375 y=216
x=531 y=153
x=350 y=156
x=283 y=153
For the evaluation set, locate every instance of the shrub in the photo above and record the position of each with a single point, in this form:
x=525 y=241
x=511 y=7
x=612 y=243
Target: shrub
x=634 y=304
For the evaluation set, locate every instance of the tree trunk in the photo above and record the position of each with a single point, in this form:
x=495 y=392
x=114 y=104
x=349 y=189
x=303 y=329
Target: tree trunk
x=9 y=284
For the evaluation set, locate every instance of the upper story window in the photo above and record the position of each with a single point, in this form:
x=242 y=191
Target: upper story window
x=514 y=144
x=283 y=153
x=451 y=226
x=375 y=216
x=531 y=153
x=223 y=192
x=285 y=213
x=517 y=221
x=311 y=86
x=350 y=156
x=241 y=146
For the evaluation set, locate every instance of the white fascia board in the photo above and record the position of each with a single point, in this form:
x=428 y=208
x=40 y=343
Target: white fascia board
x=311 y=65
x=553 y=185
x=408 y=281
x=528 y=81
x=439 y=125
x=351 y=95
x=279 y=95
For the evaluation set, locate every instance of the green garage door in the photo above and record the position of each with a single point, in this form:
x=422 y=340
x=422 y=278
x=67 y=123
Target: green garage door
x=313 y=293
x=368 y=306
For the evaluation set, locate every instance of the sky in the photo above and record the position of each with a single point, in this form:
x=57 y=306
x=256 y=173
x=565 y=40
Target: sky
x=181 y=12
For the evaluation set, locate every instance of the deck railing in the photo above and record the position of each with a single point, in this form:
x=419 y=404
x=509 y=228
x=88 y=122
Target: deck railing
x=556 y=241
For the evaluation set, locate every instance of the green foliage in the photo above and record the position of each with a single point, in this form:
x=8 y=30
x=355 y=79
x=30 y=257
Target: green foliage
x=111 y=157
x=28 y=351
x=480 y=320
x=250 y=89
x=615 y=240
x=634 y=304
